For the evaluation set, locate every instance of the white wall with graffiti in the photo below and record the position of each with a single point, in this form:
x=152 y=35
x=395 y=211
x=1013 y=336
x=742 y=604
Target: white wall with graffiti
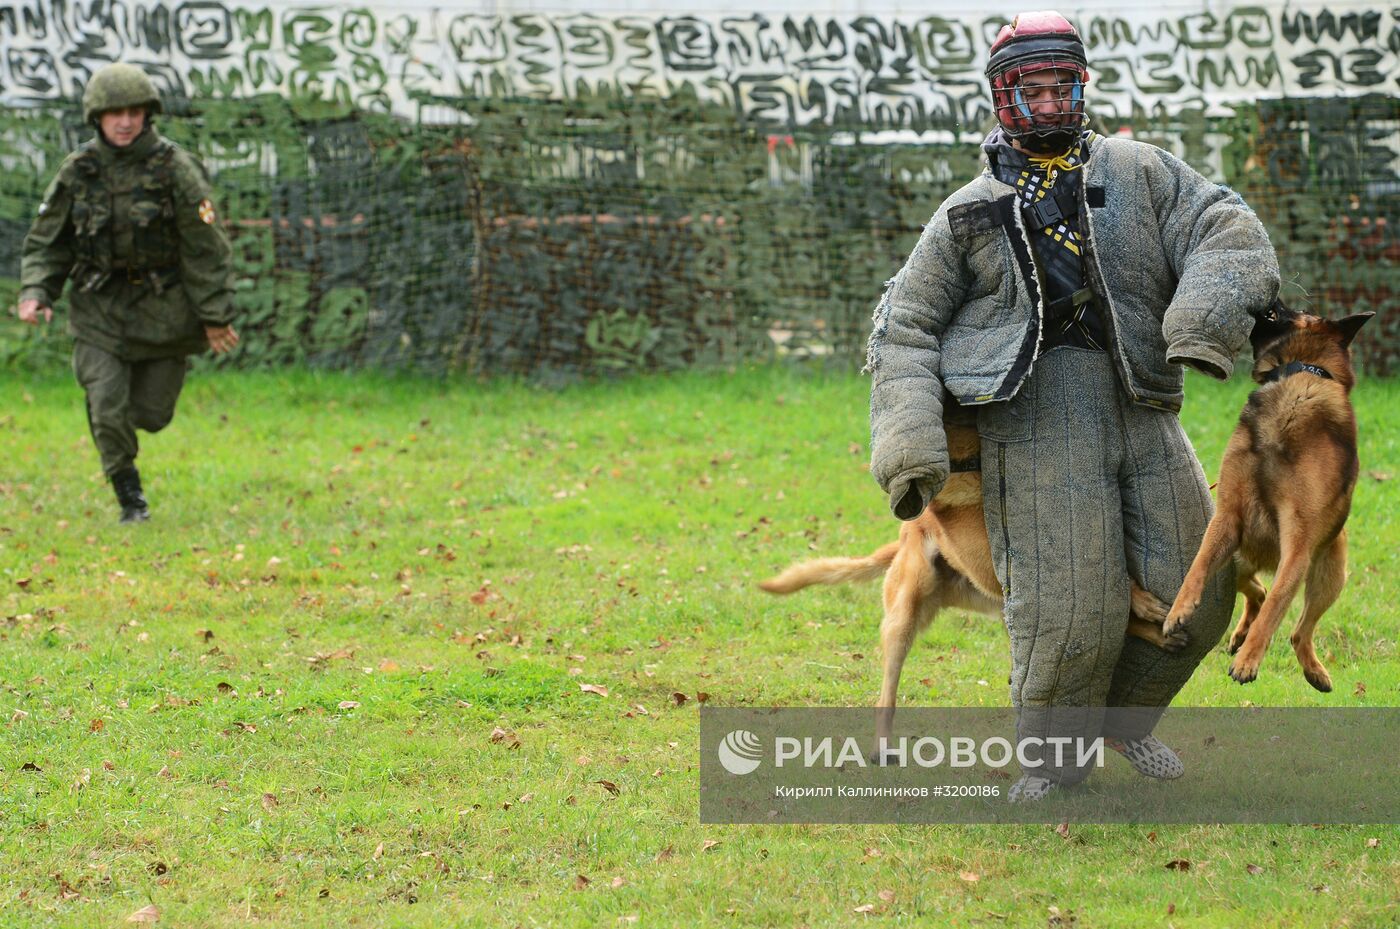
x=882 y=63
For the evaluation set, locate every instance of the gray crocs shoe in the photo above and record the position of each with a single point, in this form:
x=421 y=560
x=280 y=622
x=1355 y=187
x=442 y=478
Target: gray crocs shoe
x=1030 y=788
x=1149 y=756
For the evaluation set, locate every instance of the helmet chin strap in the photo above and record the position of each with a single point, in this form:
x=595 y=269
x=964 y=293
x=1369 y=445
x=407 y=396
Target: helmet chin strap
x=1049 y=144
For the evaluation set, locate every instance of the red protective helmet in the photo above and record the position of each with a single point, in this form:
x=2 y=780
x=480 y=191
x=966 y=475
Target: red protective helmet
x=1035 y=42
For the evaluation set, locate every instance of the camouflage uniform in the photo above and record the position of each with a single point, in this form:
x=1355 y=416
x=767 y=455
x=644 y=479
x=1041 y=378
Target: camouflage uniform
x=134 y=228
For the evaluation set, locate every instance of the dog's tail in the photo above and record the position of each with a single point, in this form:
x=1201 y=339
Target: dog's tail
x=832 y=571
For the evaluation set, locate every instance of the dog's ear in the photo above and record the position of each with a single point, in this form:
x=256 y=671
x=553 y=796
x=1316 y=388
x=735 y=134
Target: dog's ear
x=1350 y=325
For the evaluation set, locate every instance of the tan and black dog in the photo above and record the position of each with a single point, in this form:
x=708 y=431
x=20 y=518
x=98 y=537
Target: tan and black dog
x=1285 y=492
x=942 y=559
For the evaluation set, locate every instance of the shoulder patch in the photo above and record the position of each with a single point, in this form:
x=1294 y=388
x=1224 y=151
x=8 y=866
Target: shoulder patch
x=206 y=212
x=968 y=218
x=979 y=216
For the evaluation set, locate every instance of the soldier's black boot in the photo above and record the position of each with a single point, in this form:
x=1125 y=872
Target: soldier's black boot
x=127 y=484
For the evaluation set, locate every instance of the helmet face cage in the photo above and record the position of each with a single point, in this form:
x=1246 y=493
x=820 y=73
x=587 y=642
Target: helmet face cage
x=1020 y=104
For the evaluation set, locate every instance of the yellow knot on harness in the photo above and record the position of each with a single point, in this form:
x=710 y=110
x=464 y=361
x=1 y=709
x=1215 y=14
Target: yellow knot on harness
x=1055 y=163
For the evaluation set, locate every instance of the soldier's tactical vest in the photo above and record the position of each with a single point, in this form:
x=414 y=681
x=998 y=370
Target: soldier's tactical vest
x=154 y=242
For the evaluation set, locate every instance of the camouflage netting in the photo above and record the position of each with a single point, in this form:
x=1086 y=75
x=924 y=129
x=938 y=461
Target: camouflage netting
x=558 y=239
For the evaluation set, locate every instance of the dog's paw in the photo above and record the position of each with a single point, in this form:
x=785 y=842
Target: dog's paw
x=1237 y=640
x=1176 y=640
x=1319 y=678
x=1145 y=605
x=1175 y=624
x=1244 y=670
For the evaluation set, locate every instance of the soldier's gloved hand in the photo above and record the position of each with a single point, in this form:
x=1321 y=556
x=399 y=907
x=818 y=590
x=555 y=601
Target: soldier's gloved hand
x=221 y=338
x=30 y=310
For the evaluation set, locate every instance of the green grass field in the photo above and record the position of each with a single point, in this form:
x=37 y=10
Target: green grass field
x=275 y=703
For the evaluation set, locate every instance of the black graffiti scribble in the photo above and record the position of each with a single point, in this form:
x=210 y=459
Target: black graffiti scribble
x=205 y=30
x=687 y=43
x=836 y=70
x=33 y=70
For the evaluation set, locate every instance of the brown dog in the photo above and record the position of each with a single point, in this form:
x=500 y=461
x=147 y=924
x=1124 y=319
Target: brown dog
x=942 y=559
x=1285 y=492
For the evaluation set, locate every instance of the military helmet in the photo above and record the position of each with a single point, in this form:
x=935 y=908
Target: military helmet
x=116 y=86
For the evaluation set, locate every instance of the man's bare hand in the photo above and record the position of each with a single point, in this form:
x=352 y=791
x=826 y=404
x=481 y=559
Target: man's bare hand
x=221 y=338
x=29 y=311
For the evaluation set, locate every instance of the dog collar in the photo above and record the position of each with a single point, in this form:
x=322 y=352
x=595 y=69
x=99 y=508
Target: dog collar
x=1295 y=367
x=965 y=465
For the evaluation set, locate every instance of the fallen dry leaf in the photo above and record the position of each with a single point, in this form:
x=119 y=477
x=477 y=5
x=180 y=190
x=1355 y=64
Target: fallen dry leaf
x=147 y=914
x=598 y=689
x=665 y=853
x=1360 y=690
x=1373 y=843
x=165 y=772
x=388 y=666
x=347 y=705
x=506 y=736
x=865 y=908
x=581 y=882
x=709 y=844
x=340 y=654
x=1254 y=869
x=886 y=895
x=97 y=725
x=610 y=787
x=618 y=882
x=971 y=877
x=679 y=698
x=269 y=801
x=872 y=852
x=1178 y=864
x=1062 y=830
x=378 y=852
x=702 y=697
